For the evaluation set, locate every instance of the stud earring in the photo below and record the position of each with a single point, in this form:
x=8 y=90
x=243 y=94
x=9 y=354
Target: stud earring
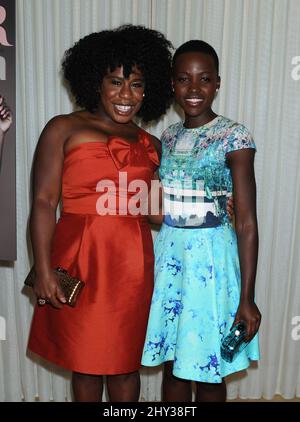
x=143 y=94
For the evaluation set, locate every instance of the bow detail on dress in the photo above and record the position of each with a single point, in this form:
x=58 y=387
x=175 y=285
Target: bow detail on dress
x=136 y=154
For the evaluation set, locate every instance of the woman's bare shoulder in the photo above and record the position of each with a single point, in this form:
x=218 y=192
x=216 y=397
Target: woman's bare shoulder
x=62 y=122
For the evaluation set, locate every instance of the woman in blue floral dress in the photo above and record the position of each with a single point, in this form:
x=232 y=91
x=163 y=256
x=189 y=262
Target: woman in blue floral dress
x=204 y=270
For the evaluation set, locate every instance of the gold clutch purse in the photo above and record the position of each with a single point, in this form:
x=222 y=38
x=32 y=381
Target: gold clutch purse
x=71 y=286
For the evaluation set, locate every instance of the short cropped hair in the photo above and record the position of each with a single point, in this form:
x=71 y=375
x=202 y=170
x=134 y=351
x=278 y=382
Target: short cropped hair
x=197 y=46
x=88 y=61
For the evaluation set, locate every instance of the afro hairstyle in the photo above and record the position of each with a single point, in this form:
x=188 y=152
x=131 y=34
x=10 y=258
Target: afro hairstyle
x=88 y=61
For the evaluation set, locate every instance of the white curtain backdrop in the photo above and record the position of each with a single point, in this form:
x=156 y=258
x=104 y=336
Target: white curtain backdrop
x=256 y=41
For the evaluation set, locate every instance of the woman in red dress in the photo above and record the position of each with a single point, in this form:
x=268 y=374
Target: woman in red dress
x=89 y=159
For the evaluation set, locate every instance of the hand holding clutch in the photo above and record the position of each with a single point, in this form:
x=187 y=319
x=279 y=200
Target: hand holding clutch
x=71 y=286
x=234 y=342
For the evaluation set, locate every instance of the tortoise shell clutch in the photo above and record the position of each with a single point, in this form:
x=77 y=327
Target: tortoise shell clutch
x=71 y=286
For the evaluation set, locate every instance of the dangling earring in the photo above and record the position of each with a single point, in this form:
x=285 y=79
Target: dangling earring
x=143 y=94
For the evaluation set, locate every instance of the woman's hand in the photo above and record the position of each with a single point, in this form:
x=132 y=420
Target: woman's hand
x=249 y=313
x=156 y=219
x=46 y=287
x=230 y=208
x=5 y=116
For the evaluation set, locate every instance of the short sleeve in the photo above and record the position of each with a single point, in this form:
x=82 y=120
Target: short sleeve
x=168 y=137
x=164 y=136
x=239 y=138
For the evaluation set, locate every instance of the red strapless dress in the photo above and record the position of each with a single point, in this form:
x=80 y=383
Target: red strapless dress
x=113 y=254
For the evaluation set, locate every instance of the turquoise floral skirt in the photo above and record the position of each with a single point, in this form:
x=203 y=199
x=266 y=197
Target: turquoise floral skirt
x=195 y=299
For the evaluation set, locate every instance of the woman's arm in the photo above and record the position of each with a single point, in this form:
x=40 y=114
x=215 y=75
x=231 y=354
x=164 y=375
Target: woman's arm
x=47 y=175
x=241 y=164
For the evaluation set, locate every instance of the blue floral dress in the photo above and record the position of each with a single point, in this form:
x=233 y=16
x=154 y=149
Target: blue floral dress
x=197 y=273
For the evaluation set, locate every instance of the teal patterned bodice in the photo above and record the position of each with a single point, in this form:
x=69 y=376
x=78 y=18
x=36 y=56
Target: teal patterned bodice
x=194 y=171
